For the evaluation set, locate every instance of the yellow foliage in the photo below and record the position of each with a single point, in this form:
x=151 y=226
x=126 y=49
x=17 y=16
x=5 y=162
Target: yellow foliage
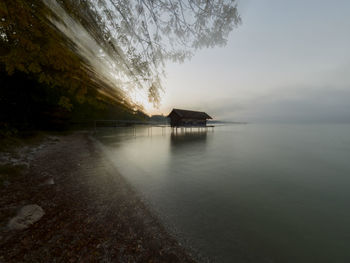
x=42 y=77
x=64 y=102
x=21 y=67
x=34 y=67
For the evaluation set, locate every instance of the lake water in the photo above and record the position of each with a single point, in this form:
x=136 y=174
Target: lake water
x=245 y=193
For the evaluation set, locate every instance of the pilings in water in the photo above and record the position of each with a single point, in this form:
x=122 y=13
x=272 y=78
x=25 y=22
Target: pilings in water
x=185 y=129
x=176 y=130
x=133 y=126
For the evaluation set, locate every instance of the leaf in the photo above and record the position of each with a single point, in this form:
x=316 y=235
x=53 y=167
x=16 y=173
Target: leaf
x=64 y=102
x=34 y=67
x=10 y=69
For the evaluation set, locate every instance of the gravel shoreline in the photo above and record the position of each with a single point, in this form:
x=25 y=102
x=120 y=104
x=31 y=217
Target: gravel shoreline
x=91 y=213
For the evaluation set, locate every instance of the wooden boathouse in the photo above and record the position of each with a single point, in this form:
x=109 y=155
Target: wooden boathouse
x=188 y=118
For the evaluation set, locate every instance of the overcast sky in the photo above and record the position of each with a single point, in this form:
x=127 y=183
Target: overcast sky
x=288 y=61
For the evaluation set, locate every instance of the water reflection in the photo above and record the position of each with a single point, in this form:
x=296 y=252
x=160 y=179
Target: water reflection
x=182 y=141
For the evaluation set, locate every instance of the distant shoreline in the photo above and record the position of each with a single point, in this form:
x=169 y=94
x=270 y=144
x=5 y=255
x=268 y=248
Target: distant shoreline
x=227 y=122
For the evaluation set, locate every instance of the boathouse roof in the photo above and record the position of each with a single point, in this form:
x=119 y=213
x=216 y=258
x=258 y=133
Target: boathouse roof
x=189 y=114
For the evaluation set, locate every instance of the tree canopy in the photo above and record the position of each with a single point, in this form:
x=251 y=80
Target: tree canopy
x=95 y=50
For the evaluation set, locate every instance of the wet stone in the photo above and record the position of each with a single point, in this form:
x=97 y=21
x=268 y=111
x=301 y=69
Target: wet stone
x=25 y=217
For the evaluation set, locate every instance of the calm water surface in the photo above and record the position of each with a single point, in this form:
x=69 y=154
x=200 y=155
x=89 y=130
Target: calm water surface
x=246 y=193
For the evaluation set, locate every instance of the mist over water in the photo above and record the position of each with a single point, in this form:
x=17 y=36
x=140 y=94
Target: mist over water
x=245 y=193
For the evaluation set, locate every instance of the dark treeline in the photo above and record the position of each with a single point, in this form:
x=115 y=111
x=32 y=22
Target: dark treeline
x=27 y=104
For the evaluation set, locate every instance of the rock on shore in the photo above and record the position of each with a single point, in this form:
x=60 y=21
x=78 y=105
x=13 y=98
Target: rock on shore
x=25 y=217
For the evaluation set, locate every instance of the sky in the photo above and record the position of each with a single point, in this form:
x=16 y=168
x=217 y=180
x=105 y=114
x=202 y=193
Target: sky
x=289 y=61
